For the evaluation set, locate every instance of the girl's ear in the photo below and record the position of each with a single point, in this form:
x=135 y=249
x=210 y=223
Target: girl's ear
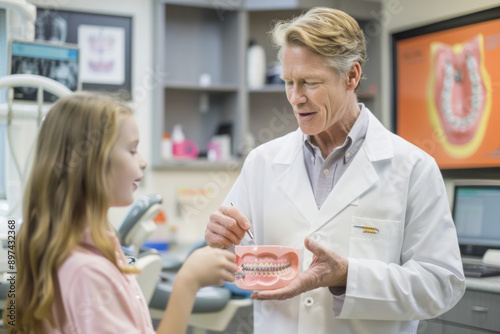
x=353 y=76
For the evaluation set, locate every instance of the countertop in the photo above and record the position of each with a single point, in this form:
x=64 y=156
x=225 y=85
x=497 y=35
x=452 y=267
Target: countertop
x=485 y=284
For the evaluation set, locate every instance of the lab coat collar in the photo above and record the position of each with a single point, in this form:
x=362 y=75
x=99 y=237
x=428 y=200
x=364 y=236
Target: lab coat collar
x=377 y=144
x=290 y=149
x=357 y=179
x=294 y=180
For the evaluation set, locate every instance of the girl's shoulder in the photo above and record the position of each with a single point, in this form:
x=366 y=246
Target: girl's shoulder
x=83 y=265
x=98 y=298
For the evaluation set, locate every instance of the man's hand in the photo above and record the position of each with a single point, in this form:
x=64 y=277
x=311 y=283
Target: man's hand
x=227 y=226
x=327 y=269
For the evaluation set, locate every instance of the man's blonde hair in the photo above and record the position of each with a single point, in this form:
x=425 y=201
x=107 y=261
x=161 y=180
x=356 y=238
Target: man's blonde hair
x=328 y=32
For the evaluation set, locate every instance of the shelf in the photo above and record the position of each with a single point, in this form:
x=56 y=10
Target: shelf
x=281 y=89
x=209 y=4
x=223 y=88
x=200 y=164
x=202 y=45
x=365 y=95
x=195 y=42
x=277 y=88
x=261 y=5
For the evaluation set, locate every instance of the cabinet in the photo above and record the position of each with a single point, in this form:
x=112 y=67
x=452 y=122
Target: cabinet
x=200 y=48
x=476 y=312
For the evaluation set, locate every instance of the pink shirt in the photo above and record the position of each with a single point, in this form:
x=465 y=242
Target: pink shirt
x=97 y=297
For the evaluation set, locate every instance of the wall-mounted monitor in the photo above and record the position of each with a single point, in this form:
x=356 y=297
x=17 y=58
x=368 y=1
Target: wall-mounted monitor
x=446 y=89
x=56 y=61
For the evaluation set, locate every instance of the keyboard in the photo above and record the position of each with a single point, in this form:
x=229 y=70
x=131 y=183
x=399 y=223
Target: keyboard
x=478 y=270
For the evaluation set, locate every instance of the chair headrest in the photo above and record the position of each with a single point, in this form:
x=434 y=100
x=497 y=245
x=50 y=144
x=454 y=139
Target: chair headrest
x=140 y=211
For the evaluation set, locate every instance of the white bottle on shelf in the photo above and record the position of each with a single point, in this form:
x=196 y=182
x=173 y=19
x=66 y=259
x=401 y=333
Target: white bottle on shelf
x=166 y=146
x=256 y=65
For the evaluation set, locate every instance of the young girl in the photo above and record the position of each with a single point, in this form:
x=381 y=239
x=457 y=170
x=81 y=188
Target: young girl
x=72 y=275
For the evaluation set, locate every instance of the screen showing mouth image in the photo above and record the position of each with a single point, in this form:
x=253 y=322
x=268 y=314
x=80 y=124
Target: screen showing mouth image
x=445 y=82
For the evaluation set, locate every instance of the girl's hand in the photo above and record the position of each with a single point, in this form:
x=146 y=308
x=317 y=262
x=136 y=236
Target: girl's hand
x=205 y=266
x=208 y=266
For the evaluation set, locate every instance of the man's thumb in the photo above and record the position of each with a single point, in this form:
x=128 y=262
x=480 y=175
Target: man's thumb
x=313 y=246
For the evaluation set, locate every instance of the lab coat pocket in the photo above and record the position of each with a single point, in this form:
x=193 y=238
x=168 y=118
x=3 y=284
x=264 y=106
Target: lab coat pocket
x=375 y=239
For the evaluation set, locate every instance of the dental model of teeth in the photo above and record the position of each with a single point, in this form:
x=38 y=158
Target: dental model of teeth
x=265 y=268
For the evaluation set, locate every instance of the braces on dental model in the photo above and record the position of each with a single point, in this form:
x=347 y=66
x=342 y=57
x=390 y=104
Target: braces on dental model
x=265 y=269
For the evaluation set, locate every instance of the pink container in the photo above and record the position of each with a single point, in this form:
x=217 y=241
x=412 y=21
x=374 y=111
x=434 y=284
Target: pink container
x=186 y=149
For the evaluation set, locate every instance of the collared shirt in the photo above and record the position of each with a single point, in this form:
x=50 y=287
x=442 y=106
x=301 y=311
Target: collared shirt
x=325 y=173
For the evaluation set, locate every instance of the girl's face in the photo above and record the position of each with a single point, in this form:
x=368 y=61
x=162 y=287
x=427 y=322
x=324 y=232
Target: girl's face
x=127 y=165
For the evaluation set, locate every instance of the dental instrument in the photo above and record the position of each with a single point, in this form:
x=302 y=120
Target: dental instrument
x=250 y=234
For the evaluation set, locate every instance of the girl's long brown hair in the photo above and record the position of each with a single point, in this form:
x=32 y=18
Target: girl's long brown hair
x=67 y=190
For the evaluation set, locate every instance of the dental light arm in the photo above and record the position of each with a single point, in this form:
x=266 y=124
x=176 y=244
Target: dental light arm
x=28 y=80
x=26 y=15
x=23 y=8
x=9 y=111
x=32 y=80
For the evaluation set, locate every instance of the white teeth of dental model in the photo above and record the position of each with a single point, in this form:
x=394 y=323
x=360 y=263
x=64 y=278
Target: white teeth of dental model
x=457 y=123
x=265 y=268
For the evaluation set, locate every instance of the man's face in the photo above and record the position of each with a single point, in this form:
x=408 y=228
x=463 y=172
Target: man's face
x=315 y=91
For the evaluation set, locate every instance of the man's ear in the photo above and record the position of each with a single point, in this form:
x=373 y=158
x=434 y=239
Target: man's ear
x=353 y=76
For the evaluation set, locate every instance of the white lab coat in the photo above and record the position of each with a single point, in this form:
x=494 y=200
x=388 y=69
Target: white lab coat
x=411 y=270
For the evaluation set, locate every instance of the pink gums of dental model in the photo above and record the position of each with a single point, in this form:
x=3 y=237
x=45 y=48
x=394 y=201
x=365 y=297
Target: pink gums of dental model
x=265 y=267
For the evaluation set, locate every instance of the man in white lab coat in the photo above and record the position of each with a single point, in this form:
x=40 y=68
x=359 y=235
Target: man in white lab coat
x=368 y=209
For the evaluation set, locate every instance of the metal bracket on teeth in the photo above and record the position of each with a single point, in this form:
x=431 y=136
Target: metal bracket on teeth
x=267 y=268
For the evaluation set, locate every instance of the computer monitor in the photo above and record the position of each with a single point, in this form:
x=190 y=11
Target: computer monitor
x=60 y=62
x=476 y=212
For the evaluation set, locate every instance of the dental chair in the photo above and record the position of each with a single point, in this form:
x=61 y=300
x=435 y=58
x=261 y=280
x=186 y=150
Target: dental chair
x=135 y=229
x=214 y=306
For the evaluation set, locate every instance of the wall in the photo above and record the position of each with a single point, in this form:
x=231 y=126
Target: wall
x=400 y=15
